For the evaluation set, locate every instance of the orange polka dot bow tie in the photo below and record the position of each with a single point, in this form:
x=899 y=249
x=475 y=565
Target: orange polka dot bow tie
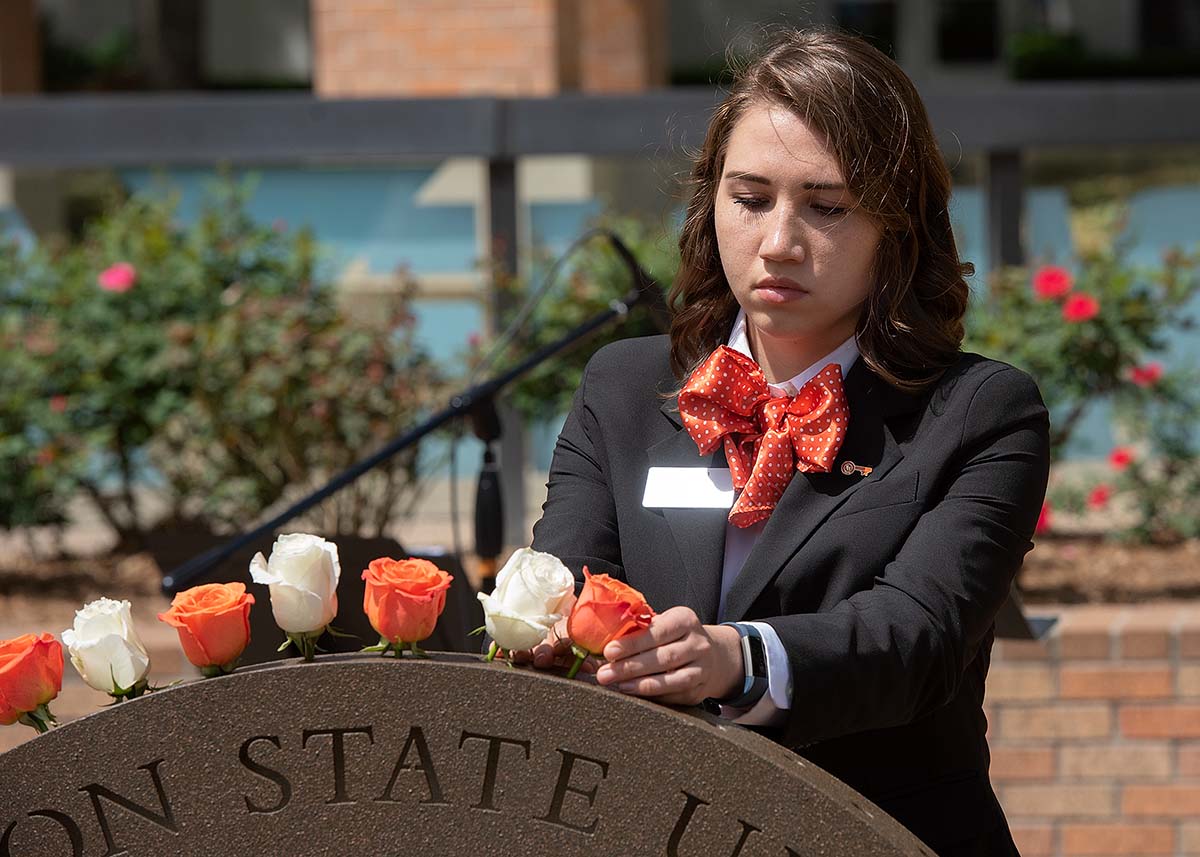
x=767 y=438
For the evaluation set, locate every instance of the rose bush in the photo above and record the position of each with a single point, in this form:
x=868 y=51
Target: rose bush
x=211 y=361
x=1087 y=338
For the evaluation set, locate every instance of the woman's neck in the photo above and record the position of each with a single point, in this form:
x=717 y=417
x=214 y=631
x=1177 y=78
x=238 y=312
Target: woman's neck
x=782 y=360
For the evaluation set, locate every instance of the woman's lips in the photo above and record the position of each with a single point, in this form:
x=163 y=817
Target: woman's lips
x=779 y=290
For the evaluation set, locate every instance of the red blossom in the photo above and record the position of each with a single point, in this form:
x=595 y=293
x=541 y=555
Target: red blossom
x=117 y=278
x=1080 y=307
x=1146 y=376
x=1051 y=282
x=58 y=404
x=1120 y=457
x=1043 y=521
x=1099 y=496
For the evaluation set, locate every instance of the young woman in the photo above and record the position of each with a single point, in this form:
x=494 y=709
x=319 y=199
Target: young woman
x=810 y=457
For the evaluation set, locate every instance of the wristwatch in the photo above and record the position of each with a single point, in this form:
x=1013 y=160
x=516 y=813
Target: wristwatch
x=754 y=660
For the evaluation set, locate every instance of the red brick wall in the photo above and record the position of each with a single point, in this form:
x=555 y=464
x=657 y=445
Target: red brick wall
x=20 y=48
x=365 y=48
x=1095 y=732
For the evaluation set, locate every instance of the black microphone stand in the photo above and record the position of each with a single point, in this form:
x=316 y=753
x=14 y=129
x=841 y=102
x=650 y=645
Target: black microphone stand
x=465 y=402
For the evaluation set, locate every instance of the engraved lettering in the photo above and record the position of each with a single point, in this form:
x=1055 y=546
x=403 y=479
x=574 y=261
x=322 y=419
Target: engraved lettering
x=685 y=818
x=488 y=800
x=339 y=756
x=166 y=821
x=68 y=824
x=554 y=816
x=285 y=787
x=416 y=738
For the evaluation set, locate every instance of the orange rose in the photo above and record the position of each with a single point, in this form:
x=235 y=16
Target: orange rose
x=403 y=599
x=213 y=621
x=31 y=670
x=607 y=610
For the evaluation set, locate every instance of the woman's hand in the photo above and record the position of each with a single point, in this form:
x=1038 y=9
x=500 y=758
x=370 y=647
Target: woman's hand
x=676 y=660
x=555 y=651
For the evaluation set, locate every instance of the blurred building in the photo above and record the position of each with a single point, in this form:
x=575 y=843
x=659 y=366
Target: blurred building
x=433 y=217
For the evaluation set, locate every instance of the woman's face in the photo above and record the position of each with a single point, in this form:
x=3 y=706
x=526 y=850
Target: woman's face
x=796 y=254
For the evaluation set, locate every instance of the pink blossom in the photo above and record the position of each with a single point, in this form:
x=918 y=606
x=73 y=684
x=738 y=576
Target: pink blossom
x=1043 y=521
x=1120 y=457
x=1051 y=282
x=58 y=404
x=1080 y=307
x=118 y=278
x=1099 y=496
x=1146 y=376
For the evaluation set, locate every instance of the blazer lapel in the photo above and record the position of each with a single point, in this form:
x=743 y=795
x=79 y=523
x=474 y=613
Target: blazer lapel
x=811 y=497
x=699 y=534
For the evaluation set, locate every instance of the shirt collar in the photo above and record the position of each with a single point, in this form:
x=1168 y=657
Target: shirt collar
x=844 y=355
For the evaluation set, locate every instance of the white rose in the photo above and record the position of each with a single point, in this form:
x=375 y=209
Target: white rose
x=531 y=594
x=105 y=649
x=303 y=576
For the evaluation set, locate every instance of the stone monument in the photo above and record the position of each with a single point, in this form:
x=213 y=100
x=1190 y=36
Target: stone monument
x=362 y=755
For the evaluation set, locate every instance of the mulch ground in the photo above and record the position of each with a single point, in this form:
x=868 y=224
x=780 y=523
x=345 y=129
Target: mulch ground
x=1060 y=570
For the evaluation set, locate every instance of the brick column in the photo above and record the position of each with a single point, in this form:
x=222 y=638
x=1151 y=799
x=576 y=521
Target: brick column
x=364 y=48
x=20 y=48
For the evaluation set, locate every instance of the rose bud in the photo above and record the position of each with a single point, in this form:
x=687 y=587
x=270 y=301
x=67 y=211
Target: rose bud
x=213 y=621
x=31 y=671
x=532 y=593
x=607 y=610
x=403 y=599
x=302 y=574
x=106 y=651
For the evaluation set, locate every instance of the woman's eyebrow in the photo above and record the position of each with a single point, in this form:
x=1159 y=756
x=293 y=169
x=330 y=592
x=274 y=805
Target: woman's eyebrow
x=757 y=179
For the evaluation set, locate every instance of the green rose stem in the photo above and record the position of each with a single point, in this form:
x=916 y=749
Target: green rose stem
x=40 y=719
x=397 y=648
x=492 y=649
x=120 y=694
x=305 y=642
x=219 y=669
x=580 y=657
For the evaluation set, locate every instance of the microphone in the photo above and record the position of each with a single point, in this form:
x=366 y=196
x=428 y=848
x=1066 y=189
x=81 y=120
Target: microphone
x=648 y=288
x=489 y=506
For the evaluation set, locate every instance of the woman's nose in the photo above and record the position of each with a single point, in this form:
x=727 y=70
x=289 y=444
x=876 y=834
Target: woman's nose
x=783 y=239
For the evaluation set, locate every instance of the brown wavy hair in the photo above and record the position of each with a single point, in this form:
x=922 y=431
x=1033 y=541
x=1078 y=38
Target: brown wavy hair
x=873 y=120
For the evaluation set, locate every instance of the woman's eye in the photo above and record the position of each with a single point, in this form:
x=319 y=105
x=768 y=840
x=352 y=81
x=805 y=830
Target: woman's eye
x=828 y=211
x=750 y=203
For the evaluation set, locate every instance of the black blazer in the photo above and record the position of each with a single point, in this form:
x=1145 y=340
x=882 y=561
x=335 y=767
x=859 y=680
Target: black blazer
x=883 y=588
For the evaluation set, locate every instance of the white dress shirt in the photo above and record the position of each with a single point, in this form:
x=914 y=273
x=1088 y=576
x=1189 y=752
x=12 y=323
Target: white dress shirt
x=771 y=709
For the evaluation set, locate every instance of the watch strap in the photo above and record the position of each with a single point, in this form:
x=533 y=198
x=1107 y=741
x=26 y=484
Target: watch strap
x=754 y=659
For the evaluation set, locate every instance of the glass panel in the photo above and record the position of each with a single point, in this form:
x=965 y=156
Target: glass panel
x=968 y=30
x=874 y=20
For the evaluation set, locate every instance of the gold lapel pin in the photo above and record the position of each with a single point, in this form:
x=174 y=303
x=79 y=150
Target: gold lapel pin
x=849 y=467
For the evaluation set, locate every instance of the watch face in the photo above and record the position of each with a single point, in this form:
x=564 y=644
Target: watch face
x=758 y=657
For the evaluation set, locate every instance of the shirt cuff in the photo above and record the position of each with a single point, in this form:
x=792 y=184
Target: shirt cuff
x=772 y=708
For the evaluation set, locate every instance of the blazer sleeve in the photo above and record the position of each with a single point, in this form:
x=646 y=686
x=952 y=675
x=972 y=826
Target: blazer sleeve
x=579 y=519
x=888 y=655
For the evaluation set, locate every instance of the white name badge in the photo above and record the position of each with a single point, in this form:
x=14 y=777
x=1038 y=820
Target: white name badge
x=688 y=488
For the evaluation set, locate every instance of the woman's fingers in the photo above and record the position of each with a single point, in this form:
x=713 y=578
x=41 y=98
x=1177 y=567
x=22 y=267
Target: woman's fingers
x=666 y=627
x=673 y=656
x=676 y=687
